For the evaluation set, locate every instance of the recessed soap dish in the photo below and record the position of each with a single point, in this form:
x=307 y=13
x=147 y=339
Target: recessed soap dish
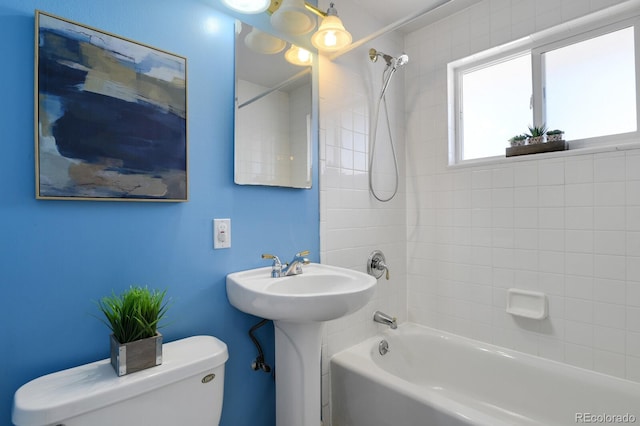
x=527 y=304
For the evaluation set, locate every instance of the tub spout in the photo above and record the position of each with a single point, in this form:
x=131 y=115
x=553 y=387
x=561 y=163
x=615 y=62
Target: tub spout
x=385 y=319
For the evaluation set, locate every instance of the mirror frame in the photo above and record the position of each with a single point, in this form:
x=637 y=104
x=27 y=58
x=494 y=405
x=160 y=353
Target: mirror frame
x=262 y=22
x=308 y=126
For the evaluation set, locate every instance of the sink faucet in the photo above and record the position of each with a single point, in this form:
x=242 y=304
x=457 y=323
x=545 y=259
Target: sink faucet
x=292 y=268
x=276 y=267
x=295 y=266
x=383 y=318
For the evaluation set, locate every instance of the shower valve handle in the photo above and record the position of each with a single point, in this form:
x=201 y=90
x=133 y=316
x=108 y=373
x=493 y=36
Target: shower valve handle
x=381 y=266
x=376 y=264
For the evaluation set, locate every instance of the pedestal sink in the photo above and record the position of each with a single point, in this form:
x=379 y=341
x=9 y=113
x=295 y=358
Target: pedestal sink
x=298 y=306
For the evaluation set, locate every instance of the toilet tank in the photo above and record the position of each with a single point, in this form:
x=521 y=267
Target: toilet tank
x=186 y=389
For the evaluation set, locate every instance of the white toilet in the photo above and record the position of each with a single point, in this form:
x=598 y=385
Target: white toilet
x=186 y=389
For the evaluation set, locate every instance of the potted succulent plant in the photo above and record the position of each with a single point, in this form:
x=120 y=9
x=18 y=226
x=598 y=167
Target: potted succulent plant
x=133 y=317
x=536 y=134
x=554 y=135
x=518 y=140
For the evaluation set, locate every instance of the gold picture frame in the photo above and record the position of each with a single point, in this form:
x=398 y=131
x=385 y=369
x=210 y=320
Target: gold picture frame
x=110 y=116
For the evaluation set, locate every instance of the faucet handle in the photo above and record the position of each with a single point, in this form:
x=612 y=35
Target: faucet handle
x=275 y=258
x=303 y=253
x=376 y=264
x=276 y=268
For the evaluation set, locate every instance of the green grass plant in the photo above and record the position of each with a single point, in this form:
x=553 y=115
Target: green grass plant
x=135 y=314
x=537 y=131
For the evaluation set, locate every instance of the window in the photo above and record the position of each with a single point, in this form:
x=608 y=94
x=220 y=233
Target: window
x=584 y=85
x=496 y=102
x=590 y=86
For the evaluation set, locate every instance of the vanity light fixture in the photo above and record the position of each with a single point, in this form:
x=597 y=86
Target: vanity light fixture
x=262 y=42
x=298 y=56
x=331 y=35
x=297 y=17
x=247 y=6
x=293 y=17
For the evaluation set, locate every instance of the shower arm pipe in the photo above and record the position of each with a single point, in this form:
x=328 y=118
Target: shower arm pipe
x=278 y=87
x=391 y=27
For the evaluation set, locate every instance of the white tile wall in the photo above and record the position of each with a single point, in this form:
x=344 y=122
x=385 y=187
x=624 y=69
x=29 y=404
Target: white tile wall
x=457 y=237
x=567 y=225
x=266 y=136
x=268 y=128
x=352 y=222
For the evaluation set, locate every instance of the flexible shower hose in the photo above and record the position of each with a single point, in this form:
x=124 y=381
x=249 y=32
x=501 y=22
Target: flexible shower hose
x=382 y=99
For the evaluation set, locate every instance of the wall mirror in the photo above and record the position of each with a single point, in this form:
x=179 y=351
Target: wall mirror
x=273 y=115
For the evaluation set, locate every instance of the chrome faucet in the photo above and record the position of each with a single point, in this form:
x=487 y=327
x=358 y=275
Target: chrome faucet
x=295 y=266
x=276 y=267
x=292 y=268
x=385 y=319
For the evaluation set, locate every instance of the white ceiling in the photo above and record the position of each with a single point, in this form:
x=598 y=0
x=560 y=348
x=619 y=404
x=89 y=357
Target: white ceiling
x=388 y=12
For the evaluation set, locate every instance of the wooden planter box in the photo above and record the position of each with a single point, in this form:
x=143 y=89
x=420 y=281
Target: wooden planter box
x=536 y=148
x=555 y=137
x=135 y=356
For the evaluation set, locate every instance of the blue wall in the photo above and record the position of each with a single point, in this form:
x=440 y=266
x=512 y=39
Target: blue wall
x=58 y=257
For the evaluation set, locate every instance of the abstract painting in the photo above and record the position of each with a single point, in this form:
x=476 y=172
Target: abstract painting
x=111 y=116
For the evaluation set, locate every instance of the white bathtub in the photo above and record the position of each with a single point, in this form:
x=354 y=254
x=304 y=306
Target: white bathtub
x=433 y=378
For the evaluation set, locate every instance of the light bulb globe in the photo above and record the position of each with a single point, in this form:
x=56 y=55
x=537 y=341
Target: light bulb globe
x=247 y=6
x=331 y=35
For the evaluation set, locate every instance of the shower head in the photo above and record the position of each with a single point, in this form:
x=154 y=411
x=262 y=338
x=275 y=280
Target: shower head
x=401 y=60
x=390 y=60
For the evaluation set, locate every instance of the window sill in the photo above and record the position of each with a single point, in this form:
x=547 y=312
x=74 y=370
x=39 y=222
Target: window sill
x=571 y=152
